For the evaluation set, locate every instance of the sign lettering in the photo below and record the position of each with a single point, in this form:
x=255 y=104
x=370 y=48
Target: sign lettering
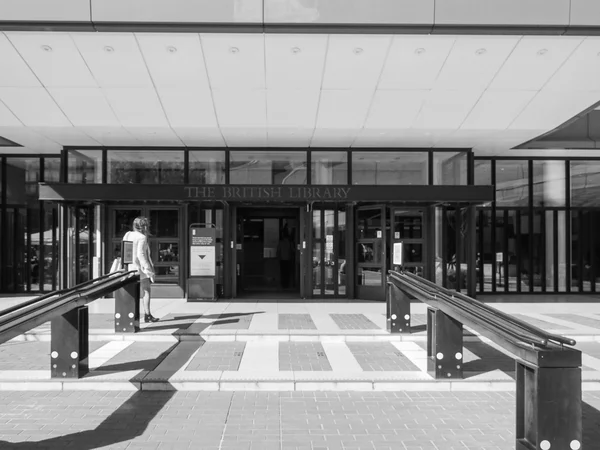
x=267 y=193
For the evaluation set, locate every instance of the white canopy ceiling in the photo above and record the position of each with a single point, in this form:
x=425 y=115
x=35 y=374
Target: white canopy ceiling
x=126 y=89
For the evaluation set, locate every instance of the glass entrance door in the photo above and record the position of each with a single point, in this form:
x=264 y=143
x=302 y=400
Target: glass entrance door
x=328 y=252
x=165 y=242
x=371 y=226
x=408 y=229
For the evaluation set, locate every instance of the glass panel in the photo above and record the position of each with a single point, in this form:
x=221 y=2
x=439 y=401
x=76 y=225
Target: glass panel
x=549 y=186
x=48 y=248
x=384 y=168
x=317 y=224
x=330 y=257
x=585 y=183
x=83 y=250
x=483 y=172
x=207 y=167
x=369 y=252
x=512 y=183
x=164 y=223
x=329 y=168
x=267 y=167
x=167 y=271
x=168 y=252
x=369 y=224
x=407 y=225
x=341 y=251
x=52 y=170
x=413 y=253
x=123 y=221
x=22 y=178
x=450 y=168
x=370 y=276
x=145 y=167
x=316 y=267
x=84 y=166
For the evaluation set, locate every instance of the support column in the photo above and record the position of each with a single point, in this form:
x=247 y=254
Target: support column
x=69 y=344
x=398 y=310
x=444 y=346
x=127 y=309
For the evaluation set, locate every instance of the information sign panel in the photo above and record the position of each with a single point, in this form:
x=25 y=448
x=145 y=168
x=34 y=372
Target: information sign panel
x=202 y=252
x=397 y=253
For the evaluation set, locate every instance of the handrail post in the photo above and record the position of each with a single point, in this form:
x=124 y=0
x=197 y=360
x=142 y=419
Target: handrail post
x=444 y=345
x=69 y=344
x=127 y=308
x=397 y=310
x=548 y=408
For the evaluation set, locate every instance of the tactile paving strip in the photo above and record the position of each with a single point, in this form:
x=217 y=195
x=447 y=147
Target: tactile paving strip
x=218 y=356
x=380 y=356
x=303 y=356
x=296 y=322
x=353 y=322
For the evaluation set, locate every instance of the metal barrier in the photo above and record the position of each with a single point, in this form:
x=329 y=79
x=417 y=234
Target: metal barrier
x=67 y=312
x=548 y=374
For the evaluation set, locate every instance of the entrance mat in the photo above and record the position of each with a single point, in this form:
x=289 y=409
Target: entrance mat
x=31 y=355
x=230 y=321
x=218 y=356
x=353 y=322
x=296 y=322
x=576 y=318
x=303 y=356
x=380 y=357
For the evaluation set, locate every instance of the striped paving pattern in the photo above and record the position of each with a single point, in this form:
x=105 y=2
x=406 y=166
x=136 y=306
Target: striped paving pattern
x=353 y=322
x=296 y=322
x=380 y=356
x=218 y=356
x=303 y=356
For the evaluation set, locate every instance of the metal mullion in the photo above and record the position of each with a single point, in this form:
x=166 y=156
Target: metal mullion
x=186 y=167
x=444 y=247
x=592 y=258
x=91 y=229
x=505 y=250
x=531 y=222
x=481 y=250
x=518 y=251
x=568 y=224
x=493 y=241
x=55 y=247
x=28 y=220
x=458 y=246
x=322 y=245
x=349 y=166
x=104 y=163
x=41 y=252
x=308 y=167
x=227 y=166
x=430 y=163
x=13 y=237
x=555 y=246
x=543 y=253
x=335 y=248
x=75 y=209
x=580 y=248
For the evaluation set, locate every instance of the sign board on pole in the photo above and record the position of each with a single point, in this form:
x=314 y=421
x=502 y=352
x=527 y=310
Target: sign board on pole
x=397 y=253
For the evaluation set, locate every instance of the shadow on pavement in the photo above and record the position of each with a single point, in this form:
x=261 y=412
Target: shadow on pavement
x=489 y=360
x=129 y=421
x=591 y=427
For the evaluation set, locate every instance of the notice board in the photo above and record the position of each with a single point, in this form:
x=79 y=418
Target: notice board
x=202 y=252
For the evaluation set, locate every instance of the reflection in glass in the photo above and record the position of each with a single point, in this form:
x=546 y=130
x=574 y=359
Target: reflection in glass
x=84 y=166
x=450 y=168
x=145 y=167
x=549 y=186
x=164 y=223
x=369 y=276
x=124 y=221
x=167 y=271
x=585 y=183
x=207 y=167
x=329 y=168
x=267 y=167
x=369 y=223
x=483 y=172
x=51 y=170
x=369 y=252
x=413 y=253
x=341 y=252
x=22 y=178
x=384 y=168
x=168 y=252
x=512 y=183
x=316 y=267
x=407 y=226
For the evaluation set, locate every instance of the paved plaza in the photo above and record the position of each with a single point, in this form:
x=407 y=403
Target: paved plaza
x=269 y=375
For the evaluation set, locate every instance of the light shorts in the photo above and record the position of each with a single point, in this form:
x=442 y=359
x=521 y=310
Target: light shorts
x=145 y=285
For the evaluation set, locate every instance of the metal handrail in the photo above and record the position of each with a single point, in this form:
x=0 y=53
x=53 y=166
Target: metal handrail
x=479 y=304
x=480 y=313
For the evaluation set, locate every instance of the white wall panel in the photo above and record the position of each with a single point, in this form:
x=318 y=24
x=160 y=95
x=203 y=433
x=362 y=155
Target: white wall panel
x=85 y=107
x=345 y=110
x=414 y=62
x=19 y=75
x=534 y=61
x=136 y=107
x=585 y=12
x=198 y=11
x=241 y=109
x=295 y=61
x=581 y=72
x=355 y=61
x=235 y=61
x=200 y=137
x=395 y=109
x=45 y=10
x=174 y=60
x=292 y=108
x=188 y=107
x=446 y=109
x=474 y=61
x=34 y=107
x=54 y=58
x=114 y=59
x=496 y=110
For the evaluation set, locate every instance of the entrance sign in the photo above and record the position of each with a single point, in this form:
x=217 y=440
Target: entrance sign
x=202 y=261
x=397 y=253
x=202 y=252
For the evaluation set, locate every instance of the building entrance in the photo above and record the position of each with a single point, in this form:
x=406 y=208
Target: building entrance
x=268 y=252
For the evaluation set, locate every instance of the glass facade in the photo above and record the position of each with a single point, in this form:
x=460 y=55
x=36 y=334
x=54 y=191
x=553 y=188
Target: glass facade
x=267 y=167
x=145 y=167
x=389 y=168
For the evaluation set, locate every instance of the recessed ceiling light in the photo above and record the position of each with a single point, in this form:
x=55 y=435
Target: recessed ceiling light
x=420 y=51
x=542 y=51
x=109 y=49
x=358 y=50
x=480 y=51
x=296 y=50
x=171 y=49
x=234 y=50
x=46 y=48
